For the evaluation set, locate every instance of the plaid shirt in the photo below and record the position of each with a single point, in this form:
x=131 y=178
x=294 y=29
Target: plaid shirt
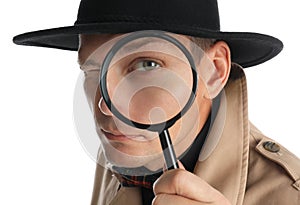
x=139 y=181
x=137 y=177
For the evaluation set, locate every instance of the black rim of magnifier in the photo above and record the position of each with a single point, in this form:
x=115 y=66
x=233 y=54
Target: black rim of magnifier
x=103 y=79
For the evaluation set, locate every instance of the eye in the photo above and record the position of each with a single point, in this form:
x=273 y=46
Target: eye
x=145 y=65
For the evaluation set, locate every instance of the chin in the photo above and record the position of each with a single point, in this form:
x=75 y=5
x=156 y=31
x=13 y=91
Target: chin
x=120 y=158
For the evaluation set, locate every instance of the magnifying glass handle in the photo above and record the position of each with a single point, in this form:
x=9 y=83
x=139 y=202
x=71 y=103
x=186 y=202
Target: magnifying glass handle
x=167 y=147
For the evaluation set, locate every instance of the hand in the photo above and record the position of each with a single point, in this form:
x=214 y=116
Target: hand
x=181 y=187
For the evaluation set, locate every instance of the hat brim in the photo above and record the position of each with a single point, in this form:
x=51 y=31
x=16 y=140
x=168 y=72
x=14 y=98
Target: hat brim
x=247 y=48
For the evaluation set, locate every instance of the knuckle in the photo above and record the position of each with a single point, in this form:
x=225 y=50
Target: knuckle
x=173 y=182
x=158 y=199
x=179 y=179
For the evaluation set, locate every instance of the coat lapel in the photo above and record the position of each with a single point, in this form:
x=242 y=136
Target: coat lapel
x=108 y=190
x=128 y=195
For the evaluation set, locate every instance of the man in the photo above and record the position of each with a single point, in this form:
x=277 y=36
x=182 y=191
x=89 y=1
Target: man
x=232 y=162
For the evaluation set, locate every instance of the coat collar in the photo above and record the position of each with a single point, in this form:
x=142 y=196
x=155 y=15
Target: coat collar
x=223 y=161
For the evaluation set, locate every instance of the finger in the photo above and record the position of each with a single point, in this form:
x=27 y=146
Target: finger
x=179 y=164
x=186 y=184
x=163 y=199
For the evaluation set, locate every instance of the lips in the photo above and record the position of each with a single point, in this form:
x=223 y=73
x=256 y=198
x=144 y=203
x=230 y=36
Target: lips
x=123 y=137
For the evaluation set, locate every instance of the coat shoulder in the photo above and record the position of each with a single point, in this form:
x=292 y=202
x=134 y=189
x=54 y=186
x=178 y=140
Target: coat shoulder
x=277 y=153
x=273 y=171
x=273 y=151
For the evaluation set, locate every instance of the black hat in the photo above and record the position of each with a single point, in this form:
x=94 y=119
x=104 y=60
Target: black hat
x=198 y=18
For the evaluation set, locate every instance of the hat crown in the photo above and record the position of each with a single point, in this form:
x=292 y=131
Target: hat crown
x=202 y=14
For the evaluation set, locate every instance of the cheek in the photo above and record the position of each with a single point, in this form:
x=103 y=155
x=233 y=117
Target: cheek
x=185 y=130
x=153 y=105
x=91 y=87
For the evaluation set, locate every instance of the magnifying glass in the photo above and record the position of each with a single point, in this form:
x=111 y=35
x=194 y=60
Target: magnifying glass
x=148 y=80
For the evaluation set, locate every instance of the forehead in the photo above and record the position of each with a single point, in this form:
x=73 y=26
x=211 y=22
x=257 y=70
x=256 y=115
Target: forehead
x=90 y=42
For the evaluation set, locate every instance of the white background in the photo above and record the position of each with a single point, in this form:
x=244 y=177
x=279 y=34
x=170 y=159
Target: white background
x=42 y=161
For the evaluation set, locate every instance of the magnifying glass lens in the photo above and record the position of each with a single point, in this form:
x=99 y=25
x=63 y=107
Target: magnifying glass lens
x=149 y=90
x=148 y=81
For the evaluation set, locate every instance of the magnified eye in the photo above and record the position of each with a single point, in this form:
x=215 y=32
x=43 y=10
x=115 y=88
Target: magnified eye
x=145 y=65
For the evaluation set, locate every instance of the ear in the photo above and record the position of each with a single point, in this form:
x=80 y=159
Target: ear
x=219 y=55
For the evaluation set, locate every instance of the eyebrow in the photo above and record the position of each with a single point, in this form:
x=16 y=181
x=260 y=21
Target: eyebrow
x=139 y=44
x=90 y=64
x=93 y=63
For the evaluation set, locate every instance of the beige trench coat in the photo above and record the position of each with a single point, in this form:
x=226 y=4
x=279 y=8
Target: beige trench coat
x=243 y=164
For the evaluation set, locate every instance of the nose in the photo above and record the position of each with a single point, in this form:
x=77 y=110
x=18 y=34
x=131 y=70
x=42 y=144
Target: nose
x=103 y=107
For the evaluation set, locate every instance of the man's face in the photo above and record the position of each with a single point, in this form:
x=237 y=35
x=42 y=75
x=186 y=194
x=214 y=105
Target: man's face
x=125 y=145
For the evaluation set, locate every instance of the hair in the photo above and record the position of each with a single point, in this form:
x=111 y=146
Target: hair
x=204 y=43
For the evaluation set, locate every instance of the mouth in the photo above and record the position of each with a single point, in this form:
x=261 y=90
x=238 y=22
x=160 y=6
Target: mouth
x=123 y=137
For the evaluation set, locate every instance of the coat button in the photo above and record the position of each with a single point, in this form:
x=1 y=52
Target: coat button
x=271 y=146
